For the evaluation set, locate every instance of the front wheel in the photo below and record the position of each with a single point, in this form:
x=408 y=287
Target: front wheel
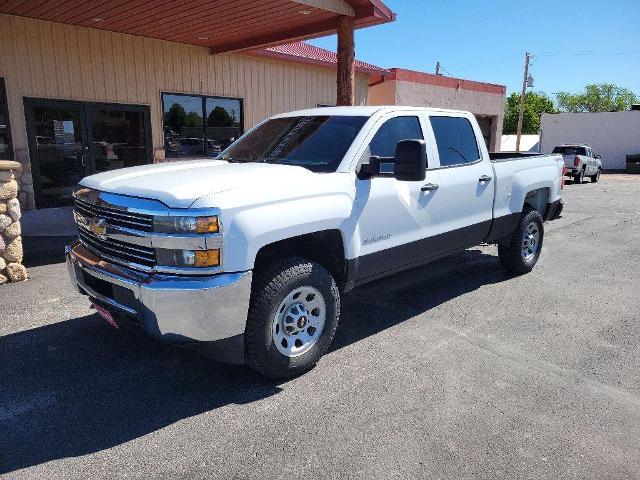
x=595 y=178
x=293 y=316
x=523 y=250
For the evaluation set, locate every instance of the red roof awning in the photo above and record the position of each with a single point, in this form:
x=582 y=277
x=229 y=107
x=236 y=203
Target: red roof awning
x=221 y=25
x=306 y=53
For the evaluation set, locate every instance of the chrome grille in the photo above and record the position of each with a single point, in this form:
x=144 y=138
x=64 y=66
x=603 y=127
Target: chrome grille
x=114 y=216
x=118 y=250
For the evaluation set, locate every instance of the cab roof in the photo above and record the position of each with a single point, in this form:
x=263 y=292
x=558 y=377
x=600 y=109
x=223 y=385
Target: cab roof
x=364 y=111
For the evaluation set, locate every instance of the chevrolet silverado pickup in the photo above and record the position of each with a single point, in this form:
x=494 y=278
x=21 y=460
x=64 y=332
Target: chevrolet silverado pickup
x=246 y=256
x=580 y=162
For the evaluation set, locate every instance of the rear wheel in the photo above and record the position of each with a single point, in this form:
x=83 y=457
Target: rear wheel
x=579 y=177
x=293 y=316
x=595 y=178
x=523 y=250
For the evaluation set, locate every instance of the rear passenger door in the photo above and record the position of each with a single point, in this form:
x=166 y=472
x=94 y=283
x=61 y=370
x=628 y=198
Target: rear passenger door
x=466 y=178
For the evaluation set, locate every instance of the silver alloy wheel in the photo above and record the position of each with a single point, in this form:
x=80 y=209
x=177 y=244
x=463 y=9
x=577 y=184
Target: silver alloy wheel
x=299 y=321
x=530 y=241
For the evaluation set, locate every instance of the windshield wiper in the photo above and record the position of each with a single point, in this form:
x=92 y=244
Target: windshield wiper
x=238 y=160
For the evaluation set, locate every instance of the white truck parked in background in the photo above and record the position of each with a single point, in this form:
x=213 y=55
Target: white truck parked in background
x=247 y=256
x=580 y=162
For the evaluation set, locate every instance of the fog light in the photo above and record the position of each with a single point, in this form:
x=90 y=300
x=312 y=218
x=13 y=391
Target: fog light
x=207 y=258
x=188 y=258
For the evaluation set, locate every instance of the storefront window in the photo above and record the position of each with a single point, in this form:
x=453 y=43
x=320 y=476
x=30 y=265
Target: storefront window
x=6 y=152
x=196 y=125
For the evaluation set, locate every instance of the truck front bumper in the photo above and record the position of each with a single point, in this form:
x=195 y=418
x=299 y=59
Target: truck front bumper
x=171 y=308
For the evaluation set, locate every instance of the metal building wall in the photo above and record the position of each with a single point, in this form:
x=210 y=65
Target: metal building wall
x=51 y=60
x=611 y=134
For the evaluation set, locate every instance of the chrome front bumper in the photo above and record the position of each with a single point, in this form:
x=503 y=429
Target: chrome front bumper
x=171 y=308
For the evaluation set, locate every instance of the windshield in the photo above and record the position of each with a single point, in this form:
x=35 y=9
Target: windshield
x=317 y=143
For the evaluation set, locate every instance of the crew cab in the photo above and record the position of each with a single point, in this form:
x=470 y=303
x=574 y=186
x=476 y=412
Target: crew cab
x=247 y=256
x=580 y=162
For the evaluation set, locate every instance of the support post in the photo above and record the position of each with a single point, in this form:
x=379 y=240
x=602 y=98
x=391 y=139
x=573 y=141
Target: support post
x=345 y=79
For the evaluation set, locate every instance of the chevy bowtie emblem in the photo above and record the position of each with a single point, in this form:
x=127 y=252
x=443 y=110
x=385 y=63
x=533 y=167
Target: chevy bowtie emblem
x=98 y=227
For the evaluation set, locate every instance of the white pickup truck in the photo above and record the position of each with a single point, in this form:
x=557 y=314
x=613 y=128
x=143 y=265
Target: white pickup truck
x=580 y=162
x=246 y=256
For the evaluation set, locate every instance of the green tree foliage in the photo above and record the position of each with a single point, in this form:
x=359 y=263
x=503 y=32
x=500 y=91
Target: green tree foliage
x=535 y=104
x=602 y=97
x=219 y=117
x=176 y=117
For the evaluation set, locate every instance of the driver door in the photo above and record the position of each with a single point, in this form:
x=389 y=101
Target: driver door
x=396 y=220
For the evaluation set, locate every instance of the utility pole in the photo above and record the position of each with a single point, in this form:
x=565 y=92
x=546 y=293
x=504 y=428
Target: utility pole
x=522 y=96
x=438 y=68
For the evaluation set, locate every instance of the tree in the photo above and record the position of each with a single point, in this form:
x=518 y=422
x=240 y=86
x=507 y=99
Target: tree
x=602 y=97
x=535 y=104
x=176 y=117
x=219 y=117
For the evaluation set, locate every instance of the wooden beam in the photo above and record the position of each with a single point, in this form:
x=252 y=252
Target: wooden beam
x=323 y=27
x=345 y=81
x=336 y=6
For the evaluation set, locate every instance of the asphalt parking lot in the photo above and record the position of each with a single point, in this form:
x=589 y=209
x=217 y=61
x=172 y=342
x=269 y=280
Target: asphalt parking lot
x=454 y=370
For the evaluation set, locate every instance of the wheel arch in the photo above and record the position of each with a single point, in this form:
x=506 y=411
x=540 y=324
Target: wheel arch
x=326 y=247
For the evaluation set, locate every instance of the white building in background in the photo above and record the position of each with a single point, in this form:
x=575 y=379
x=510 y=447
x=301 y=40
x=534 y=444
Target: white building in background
x=614 y=135
x=528 y=143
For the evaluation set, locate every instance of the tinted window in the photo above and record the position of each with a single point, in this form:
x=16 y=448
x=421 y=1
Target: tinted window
x=5 y=133
x=391 y=133
x=455 y=139
x=569 y=150
x=314 y=142
x=196 y=125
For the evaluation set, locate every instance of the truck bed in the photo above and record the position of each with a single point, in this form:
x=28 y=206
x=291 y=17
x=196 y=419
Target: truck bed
x=506 y=156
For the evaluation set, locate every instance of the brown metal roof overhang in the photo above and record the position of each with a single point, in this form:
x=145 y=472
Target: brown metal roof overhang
x=220 y=25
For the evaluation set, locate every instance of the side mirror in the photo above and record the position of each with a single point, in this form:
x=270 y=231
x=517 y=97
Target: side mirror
x=410 y=161
x=598 y=156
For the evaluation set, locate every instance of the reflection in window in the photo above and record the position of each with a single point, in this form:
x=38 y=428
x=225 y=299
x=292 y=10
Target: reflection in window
x=197 y=125
x=5 y=132
x=455 y=139
x=118 y=138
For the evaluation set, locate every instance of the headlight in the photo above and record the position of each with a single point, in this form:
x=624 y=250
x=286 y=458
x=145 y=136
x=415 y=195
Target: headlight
x=185 y=224
x=188 y=258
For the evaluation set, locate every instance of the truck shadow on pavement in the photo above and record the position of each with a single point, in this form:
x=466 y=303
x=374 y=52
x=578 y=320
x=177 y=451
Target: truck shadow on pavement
x=77 y=387
x=387 y=302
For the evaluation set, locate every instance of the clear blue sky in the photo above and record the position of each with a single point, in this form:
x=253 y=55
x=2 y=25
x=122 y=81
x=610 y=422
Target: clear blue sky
x=575 y=41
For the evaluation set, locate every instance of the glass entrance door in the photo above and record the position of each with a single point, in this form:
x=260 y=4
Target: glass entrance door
x=118 y=137
x=69 y=140
x=59 y=152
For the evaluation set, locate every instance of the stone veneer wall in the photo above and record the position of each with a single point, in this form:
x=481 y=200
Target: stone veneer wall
x=11 y=268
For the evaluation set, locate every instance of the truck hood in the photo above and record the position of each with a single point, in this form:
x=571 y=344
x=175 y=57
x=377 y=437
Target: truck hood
x=181 y=183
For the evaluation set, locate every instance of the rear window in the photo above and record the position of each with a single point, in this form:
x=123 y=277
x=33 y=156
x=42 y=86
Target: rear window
x=456 y=140
x=570 y=150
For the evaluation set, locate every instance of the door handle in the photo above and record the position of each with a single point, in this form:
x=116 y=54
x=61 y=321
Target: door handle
x=429 y=186
x=485 y=178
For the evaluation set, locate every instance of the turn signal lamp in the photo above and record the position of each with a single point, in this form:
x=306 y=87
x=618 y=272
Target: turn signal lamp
x=207 y=258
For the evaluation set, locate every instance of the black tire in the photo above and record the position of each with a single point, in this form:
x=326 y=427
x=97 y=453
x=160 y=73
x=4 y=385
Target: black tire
x=595 y=178
x=271 y=285
x=511 y=255
x=579 y=177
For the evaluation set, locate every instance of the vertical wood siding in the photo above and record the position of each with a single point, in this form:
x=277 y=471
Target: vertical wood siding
x=45 y=59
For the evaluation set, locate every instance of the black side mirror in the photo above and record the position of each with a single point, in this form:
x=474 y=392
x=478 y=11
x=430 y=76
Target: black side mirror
x=410 y=161
x=597 y=156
